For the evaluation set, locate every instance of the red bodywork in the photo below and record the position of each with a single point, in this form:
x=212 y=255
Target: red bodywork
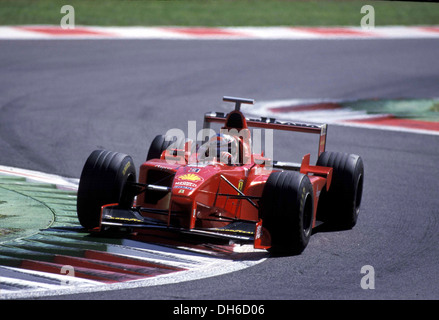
x=214 y=198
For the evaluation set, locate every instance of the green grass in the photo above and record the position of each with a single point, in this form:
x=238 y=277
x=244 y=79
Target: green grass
x=217 y=13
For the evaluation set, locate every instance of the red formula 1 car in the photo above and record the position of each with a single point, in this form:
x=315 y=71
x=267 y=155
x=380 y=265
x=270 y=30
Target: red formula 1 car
x=222 y=189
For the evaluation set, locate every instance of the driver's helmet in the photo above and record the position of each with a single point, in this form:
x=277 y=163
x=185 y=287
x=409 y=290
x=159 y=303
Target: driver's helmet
x=225 y=147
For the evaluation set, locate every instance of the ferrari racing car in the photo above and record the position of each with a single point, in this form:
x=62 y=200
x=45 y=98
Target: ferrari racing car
x=222 y=189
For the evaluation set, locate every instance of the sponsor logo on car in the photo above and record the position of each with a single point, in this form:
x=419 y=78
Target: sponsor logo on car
x=190 y=177
x=186 y=183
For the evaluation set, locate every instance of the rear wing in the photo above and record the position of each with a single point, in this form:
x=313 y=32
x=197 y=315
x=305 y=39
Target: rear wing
x=269 y=123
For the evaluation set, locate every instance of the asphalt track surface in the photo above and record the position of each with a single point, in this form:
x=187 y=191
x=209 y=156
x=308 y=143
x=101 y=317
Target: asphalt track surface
x=59 y=100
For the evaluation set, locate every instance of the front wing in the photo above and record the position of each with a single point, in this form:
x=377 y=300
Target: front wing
x=112 y=216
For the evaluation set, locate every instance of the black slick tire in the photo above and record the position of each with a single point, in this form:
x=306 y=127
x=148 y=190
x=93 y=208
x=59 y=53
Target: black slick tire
x=286 y=209
x=104 y=181
x=160 y=144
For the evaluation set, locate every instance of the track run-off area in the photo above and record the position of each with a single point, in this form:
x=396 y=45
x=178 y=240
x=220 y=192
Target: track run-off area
x=45 y=252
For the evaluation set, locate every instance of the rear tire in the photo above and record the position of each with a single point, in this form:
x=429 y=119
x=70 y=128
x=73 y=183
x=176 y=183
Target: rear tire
x=340 y=206
x=160 y=144
x=103 y=181
x=286 y=209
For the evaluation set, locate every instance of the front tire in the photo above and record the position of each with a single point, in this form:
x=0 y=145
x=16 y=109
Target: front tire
x=104 y=181
x=286 y=210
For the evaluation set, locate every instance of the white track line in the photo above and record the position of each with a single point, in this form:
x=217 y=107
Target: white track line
x=340 y=117
x=36 y=176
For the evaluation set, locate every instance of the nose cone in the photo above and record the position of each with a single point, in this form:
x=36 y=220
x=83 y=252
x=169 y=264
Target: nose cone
x=188 y=179
x=186 y=182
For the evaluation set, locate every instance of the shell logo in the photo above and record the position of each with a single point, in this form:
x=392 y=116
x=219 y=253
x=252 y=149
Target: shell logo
x=190 y=177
